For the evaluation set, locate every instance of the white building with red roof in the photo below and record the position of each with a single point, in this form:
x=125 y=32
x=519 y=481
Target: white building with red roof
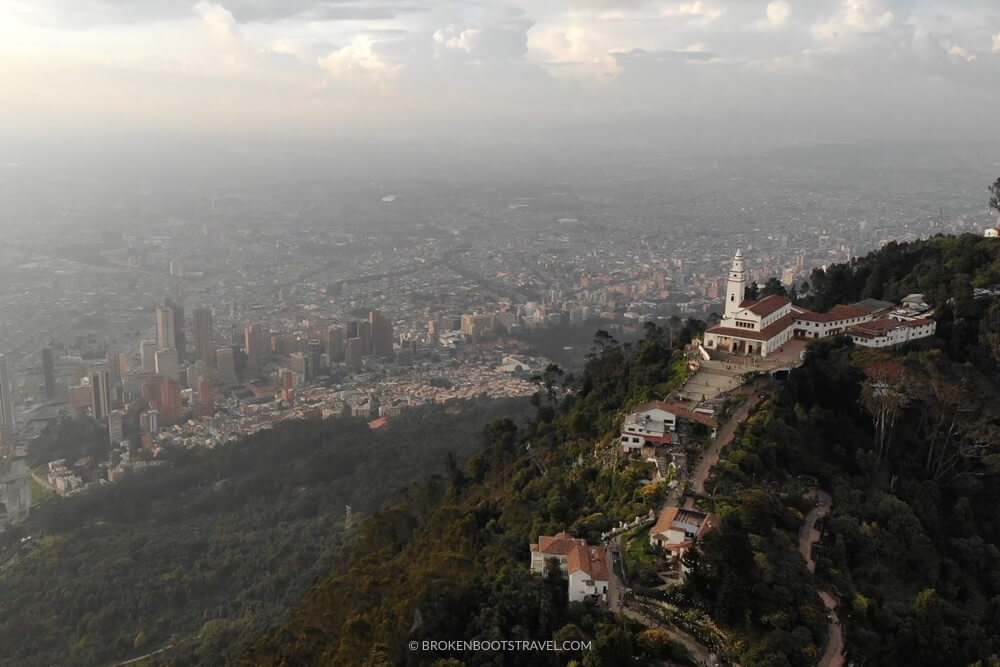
x=761 y=327
x=677 y=529
x=655 y=423
x=585 y=566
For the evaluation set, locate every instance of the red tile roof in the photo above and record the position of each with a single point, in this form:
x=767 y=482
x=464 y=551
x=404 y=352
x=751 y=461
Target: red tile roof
x=671 y=515
x=838 y=312
x=558 y=545
x=592 y=560
x=769 y=304
x=769 y=332
x=884 y=325
x=377 y=423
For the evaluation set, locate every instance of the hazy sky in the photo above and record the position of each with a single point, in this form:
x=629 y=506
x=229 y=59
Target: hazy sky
x=787 y=70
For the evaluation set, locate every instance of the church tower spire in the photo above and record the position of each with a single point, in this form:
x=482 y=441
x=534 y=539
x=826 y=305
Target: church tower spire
x=736 y=285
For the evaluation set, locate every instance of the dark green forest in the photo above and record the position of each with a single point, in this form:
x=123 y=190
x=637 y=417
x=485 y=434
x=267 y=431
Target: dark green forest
x=212 y=550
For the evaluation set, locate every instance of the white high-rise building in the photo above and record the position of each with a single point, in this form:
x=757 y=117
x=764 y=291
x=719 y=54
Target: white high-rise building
x=736 y=286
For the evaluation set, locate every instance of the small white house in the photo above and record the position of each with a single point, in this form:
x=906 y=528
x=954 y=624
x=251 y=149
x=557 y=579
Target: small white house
x=584 y=566
x=653 y=423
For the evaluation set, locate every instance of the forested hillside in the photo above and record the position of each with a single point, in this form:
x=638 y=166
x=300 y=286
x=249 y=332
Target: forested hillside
x=212 y=550
x=905 y=439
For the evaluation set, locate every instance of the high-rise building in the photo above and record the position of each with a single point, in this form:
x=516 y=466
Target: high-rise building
x=151 y=421
x=355 y=352
x=167 y=364
x=335 y=343
x=49 y=372
x=166 y=332
x=206 y=398
x=301 y=364
x=164 y=395
x=6 y=401
x=180 y=338
x=147 y=356
x=226 y=367
x=365 y=334
x=257 y=341
x=100 y=386
x=204 y=348
x=381 y=331
x=116 y=427
x=114 y=378
x=315 y=348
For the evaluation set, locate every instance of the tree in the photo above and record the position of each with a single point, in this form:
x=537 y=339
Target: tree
x=881 y=394
x=752 y=292
x=995 y=196
x=773 y=286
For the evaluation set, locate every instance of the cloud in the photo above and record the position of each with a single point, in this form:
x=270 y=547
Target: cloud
x=358 y=61
x=505 y=40
x=855 y=17
x=697 y=12
x=219 y=25
x=123 y=12
x=777 y=14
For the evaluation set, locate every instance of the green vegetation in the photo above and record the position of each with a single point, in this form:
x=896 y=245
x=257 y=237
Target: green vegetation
x=907 y=441
x=213 y=550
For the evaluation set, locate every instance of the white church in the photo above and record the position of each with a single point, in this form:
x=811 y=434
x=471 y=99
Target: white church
x=761 y=327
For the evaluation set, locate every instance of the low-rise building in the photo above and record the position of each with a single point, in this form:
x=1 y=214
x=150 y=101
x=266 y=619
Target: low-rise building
x=585 y=566
x=677 y=529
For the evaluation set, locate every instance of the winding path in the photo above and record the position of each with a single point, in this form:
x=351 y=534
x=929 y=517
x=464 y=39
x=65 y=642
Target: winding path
x=833 y=655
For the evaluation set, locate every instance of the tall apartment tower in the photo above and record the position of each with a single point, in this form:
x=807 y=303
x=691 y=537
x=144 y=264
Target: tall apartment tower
x=204 y=348
x=147 y=356
x=381 y=331
x=6 y=400
x=49 y=372
x=736 y=285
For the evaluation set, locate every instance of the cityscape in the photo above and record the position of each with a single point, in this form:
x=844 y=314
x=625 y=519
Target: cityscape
x=193 y=331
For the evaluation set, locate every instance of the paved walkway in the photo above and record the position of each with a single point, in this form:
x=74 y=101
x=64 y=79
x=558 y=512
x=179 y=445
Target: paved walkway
x=722 y=440
x=833 y=655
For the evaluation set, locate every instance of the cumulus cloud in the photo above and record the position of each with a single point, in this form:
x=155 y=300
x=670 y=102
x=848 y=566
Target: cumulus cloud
x=359 y=61
x=219 y=25
x=776 y=15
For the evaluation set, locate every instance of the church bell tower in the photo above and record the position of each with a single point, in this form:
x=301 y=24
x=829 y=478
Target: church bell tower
x=736 y=285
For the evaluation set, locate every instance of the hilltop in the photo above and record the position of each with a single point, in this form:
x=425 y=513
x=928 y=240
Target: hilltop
x=903 y=440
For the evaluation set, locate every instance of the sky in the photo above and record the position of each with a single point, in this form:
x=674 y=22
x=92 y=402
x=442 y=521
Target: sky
x=600 y=71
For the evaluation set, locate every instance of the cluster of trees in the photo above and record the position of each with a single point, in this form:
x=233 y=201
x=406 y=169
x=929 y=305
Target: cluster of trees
x=908 y=442
x=210 y=552
x=448 y=558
